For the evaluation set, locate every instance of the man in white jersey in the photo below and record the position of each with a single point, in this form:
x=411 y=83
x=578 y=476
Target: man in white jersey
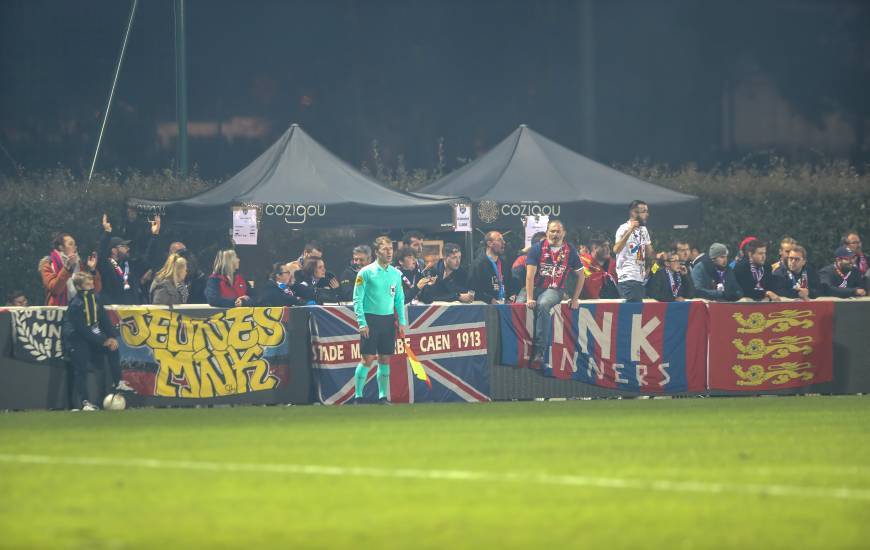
x=633 y=246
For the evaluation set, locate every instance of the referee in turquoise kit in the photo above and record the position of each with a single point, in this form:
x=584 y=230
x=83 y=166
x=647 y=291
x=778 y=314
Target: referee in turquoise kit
x=377 y=297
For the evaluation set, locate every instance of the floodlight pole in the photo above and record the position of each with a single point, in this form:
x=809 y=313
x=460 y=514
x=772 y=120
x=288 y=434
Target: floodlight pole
x=181 y=88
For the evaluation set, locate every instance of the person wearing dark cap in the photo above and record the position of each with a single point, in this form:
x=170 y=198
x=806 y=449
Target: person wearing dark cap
x=842 y=278
x=120 y=277
x=754 y=275
x=713 y=279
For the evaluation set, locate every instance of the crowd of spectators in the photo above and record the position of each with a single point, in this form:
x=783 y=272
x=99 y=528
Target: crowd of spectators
x=133 y=268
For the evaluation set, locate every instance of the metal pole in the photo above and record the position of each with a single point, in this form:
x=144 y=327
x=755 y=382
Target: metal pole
x=181 y=88
x=114 y=84
x=587 y=76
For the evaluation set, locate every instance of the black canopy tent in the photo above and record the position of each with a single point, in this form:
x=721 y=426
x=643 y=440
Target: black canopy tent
x=528 y=174
x=300 y=183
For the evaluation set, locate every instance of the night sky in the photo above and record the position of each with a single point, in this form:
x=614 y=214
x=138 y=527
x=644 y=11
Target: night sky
x=406 y=73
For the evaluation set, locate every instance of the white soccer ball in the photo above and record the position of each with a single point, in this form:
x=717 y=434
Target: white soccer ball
x=114 y=402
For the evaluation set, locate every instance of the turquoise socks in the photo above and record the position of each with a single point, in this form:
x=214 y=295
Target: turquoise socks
x=359 y=380
x=383 y=380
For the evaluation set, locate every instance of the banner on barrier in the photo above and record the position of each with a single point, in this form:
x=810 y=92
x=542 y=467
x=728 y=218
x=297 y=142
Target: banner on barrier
x=36 y=334
x=641 y=347
x=770 y=346
x=449 y=341
x=168 y=354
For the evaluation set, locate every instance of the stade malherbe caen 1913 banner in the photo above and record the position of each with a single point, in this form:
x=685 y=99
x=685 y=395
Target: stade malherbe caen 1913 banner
x=170 y=354
x=448 y=341
x=773 y=346
x=641 y=347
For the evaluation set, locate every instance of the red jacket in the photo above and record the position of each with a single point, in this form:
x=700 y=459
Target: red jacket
x=595 y=276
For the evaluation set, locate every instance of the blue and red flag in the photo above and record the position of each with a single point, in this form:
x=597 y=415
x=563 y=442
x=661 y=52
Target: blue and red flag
x=448 y=341
x=649 y=347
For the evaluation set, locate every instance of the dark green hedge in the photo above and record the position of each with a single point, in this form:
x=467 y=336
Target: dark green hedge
x=813 y=204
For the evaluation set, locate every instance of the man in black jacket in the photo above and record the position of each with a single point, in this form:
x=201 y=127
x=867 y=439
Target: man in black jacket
x=413 y=279
x=712 y=277
x=487 y=278
x=796 y=279
x=120 y=275
x=754 y=275
x=842 y=278
x=89 y=337
x=672 y=283
x=278 y=290
x=360 y=257
x=451 y=281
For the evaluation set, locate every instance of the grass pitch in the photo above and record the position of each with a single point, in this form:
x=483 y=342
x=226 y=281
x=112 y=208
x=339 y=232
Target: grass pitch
x=746 y=472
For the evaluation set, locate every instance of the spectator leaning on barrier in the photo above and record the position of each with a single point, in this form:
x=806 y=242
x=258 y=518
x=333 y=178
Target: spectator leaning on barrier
x=170 y=287
x=226 y=287
x=17 y=298
x=741 y=250
x=633 y=246
x=547 y=269
x=278 y=290
x=842 y=279
x=361 y=257
x=672 y=283
x=487 y=277
x=58 y=267
x=797 y=279
x=712 y=277
x=120 y=275
x=852 y=240
x=785 y=246
x=413 y=279
x=754 y=275
x=89 y=337
x=451 y=280
x=600 y=271
x=316 y=285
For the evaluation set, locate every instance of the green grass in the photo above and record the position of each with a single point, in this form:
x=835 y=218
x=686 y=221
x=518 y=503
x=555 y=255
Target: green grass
x=742 y=446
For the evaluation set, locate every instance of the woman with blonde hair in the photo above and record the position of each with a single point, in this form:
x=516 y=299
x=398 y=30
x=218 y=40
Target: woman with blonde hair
x=226 y=287
x=169 y=287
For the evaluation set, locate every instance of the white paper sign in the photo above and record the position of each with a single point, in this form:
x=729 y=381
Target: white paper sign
x=245 y=225
x=462 y=214
x=535 y=224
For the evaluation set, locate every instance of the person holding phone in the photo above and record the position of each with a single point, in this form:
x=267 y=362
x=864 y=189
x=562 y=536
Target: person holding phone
x=60 y=265
x=633 y=246
x=413 y=279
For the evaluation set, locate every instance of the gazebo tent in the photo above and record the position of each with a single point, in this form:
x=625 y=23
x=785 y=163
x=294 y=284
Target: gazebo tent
x=528 y=174
x=300 y=183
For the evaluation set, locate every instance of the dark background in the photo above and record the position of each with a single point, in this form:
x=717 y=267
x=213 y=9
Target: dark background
x=663 y=81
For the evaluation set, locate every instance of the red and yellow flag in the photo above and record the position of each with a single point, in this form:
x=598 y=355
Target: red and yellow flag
x=417 y=367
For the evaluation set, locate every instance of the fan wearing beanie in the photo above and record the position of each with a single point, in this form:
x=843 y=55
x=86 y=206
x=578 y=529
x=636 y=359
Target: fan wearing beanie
x=713 y=277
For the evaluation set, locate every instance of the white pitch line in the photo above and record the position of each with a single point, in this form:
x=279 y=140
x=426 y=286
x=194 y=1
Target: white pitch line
x=842 y=493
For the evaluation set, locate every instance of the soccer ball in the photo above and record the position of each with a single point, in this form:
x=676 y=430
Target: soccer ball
x=114 y=402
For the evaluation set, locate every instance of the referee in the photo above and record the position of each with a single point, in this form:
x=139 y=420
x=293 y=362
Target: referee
x=377 y=297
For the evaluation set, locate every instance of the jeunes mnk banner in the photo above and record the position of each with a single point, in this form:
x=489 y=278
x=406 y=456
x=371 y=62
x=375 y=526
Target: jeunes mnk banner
x=450 y=342
x=169 y=354
x=770 y=346
x=641 y=347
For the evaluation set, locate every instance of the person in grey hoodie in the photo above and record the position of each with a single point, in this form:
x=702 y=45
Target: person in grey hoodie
x=714 y=279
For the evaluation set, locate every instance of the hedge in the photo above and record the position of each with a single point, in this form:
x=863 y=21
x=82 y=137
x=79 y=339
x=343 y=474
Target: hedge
x=814 y=204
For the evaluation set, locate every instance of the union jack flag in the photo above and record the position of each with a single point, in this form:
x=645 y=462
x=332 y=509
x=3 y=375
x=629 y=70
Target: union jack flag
x=450 y=342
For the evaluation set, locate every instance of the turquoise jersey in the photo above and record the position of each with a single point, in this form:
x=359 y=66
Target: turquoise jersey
x=378 y=291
